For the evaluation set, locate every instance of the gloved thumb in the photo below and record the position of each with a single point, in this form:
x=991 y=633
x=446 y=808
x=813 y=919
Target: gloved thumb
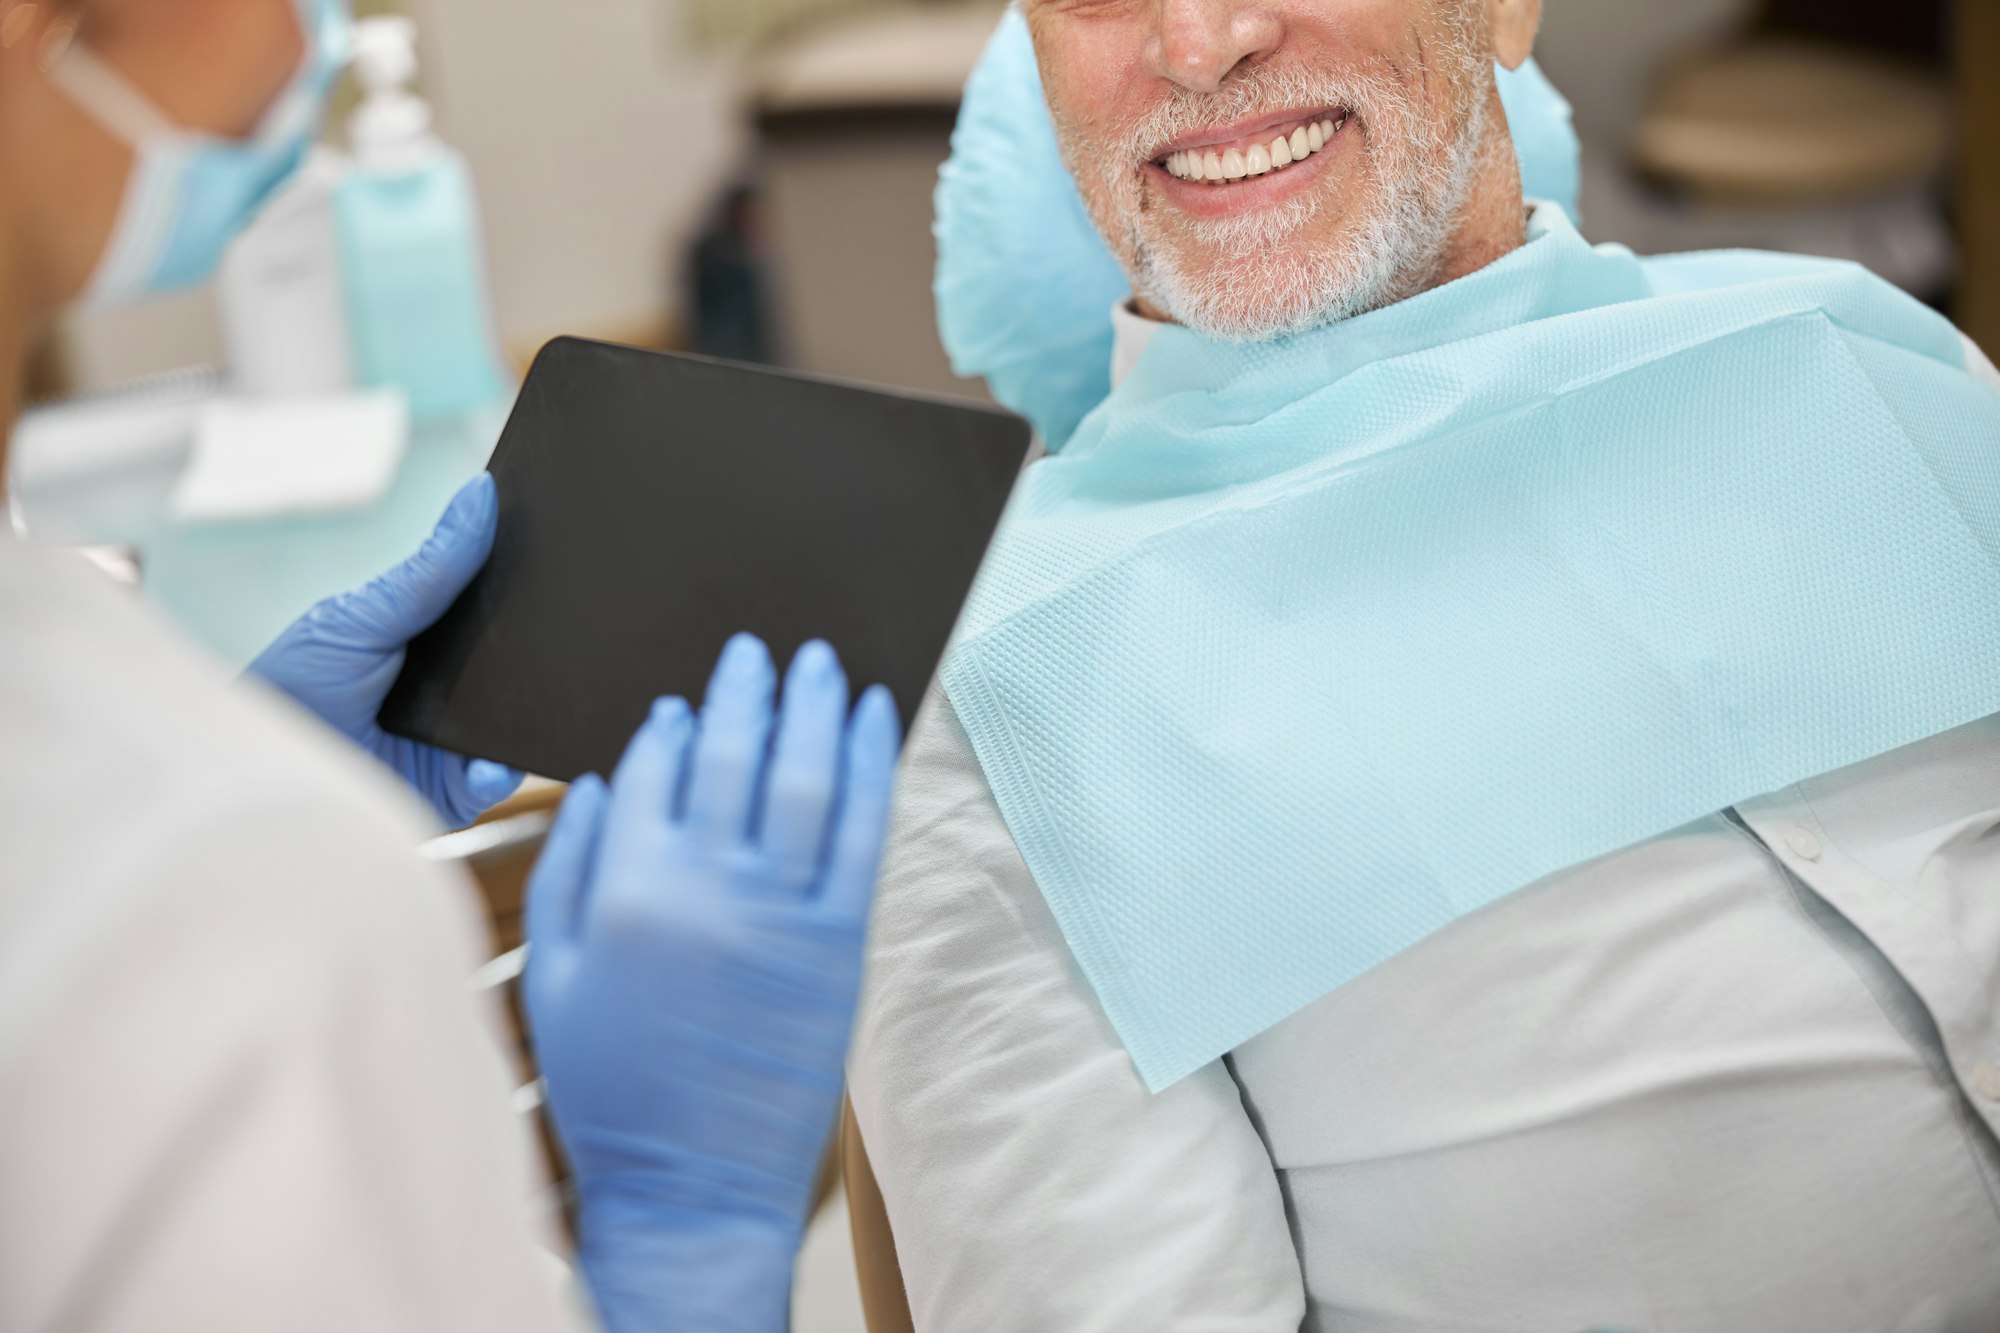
x=488 y=783
x=410 y=598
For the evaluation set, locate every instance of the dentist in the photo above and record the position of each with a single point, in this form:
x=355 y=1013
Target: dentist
x=243 y=1084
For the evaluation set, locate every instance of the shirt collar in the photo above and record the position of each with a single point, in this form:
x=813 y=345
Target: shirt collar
x=1132 y=333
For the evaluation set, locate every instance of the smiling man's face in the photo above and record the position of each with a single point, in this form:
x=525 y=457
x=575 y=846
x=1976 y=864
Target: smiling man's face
x=1262 y=167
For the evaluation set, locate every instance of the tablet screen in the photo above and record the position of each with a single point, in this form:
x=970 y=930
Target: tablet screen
x=653 y=505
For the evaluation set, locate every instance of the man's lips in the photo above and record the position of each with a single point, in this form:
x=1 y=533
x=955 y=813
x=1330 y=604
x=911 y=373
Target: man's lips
x=1257 y=129
x=1242 y=153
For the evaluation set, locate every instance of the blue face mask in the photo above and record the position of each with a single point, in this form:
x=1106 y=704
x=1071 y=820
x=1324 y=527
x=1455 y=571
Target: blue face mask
x=189 y=193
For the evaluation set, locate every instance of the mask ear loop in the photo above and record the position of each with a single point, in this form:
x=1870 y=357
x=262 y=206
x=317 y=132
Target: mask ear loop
x=56 y=41
x=105 y=93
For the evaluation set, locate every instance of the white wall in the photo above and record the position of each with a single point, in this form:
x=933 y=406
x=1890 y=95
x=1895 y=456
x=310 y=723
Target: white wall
x=597 y=143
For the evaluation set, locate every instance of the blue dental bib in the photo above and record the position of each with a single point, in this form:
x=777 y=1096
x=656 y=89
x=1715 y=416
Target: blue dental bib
x=1300 y=650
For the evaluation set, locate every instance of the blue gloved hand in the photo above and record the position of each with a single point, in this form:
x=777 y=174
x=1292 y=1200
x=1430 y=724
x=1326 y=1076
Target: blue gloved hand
x=341 y=657
x=697 y=933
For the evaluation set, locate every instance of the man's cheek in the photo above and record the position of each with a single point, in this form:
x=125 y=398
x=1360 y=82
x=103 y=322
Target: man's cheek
x=1090 y=70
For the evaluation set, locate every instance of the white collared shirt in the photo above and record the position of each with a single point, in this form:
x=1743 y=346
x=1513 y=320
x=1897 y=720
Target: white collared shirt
x=1744 y=1076
x=1132 y=334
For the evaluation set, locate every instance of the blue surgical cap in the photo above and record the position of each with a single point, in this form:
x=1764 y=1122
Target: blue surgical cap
x=1024 y=282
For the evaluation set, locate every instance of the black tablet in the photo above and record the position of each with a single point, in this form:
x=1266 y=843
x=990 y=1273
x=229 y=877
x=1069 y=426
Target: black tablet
x=653 y=505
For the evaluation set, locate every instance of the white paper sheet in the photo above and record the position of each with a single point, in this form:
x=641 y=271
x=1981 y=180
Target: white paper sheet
x=256 y=458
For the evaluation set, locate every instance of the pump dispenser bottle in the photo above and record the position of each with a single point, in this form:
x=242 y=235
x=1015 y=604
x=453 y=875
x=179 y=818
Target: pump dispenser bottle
x=283 y=308
x=411 y=257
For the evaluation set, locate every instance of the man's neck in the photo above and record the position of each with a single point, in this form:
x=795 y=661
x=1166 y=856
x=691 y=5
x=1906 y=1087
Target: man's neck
x=1494 y=221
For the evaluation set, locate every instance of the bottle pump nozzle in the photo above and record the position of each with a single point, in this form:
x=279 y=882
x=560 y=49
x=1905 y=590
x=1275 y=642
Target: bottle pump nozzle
x=392 y=126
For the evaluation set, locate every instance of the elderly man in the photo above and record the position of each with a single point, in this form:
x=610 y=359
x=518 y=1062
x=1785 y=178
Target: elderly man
x=1467 y=798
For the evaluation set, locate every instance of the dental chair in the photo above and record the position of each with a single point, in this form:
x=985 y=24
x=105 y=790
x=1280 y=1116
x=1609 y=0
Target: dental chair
x=884 y=1303
x=500 y=852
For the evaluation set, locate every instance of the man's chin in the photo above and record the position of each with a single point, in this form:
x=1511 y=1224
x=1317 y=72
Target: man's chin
x=1259 y=296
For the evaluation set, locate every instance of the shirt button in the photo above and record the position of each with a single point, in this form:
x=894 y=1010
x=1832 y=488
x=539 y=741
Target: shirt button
x=1986 y=1082
x=1805 y=844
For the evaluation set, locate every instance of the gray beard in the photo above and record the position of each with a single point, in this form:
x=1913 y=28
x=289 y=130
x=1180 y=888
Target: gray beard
x=1258 y=278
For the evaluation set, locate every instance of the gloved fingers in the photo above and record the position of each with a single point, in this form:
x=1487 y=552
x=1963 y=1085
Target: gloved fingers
x=487 y=783
x=556 y=889
x=868 y=781
x=647 y=786
x=805 y=766
x=409 y=599
x=729 y=754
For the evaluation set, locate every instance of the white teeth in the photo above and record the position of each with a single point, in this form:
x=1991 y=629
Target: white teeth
x=1231 y=164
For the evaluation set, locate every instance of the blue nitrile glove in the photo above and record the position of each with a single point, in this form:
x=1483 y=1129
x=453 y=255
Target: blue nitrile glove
x=340 y=658
x=697 y=933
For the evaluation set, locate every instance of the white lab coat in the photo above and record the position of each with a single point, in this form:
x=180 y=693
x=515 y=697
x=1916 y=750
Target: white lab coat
x=243 y=1083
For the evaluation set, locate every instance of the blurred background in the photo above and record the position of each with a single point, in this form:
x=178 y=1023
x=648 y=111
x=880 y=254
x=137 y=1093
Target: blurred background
x=752 y=178
x=769 y=162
